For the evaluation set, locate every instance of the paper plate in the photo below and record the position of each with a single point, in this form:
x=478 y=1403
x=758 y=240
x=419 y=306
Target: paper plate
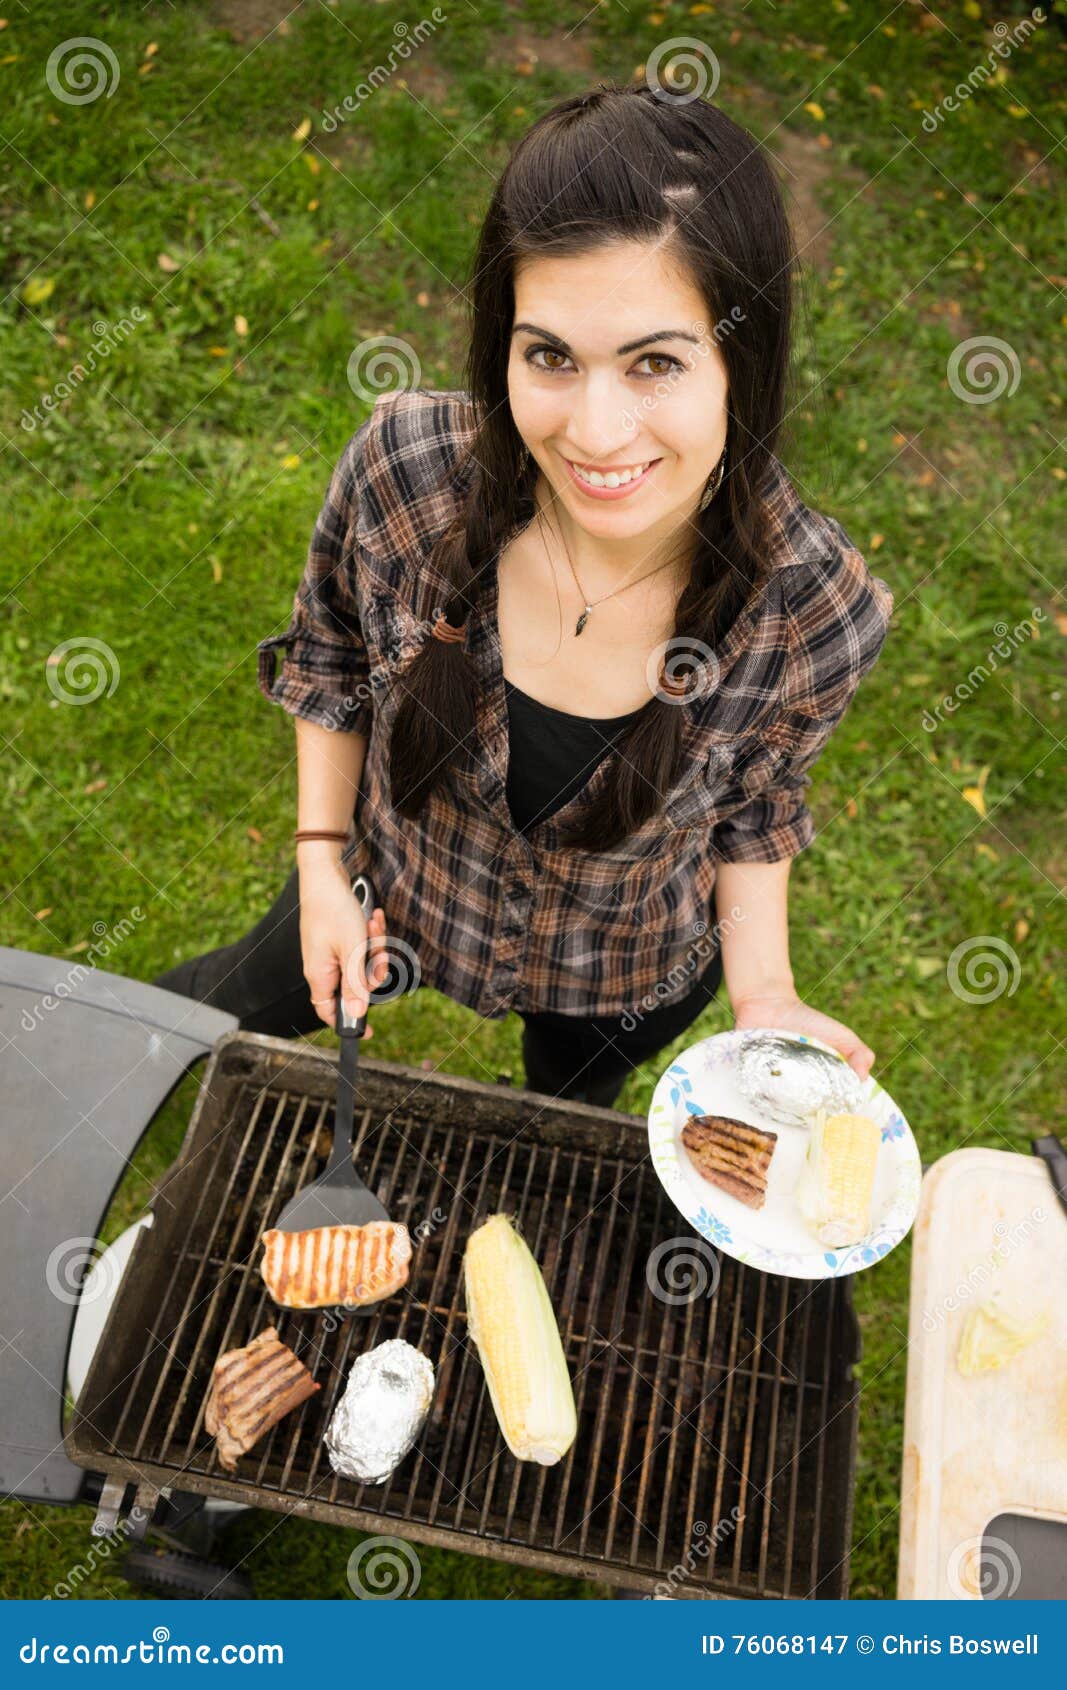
x=775 y=1238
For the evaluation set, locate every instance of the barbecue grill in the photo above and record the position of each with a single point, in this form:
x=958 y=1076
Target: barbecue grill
x=716 y=1444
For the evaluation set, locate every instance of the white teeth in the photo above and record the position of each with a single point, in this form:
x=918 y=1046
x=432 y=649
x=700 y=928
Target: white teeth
x=614 y=478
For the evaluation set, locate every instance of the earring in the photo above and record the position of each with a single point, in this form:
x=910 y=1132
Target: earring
x=714 y=482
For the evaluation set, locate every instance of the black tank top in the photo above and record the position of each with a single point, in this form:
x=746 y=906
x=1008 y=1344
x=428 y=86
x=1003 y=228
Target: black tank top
x=552 y=754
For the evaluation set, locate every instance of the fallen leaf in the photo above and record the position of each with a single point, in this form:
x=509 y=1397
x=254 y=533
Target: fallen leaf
x=852 y=809
x=151 y=49
x=927 y=966
x=984 y=850
x=312 y=163
x=816 y=111
x=90 y=199
x=42 y=913
x=38 y=289
x=241 y=325
x=83 y=946
x=95 y=786
x=876 y=541
x=254 y=834
x=1022 y=928
x=302 y=130
x=291 y=461
x=974 y=796
x=216 y=570
x=167 y=263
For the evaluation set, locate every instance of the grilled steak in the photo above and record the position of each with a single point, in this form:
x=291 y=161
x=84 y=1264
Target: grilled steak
x=731 y=1154
x=336 y=1264
x=251 y=1390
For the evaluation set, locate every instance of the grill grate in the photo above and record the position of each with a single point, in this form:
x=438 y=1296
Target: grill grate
x=716 y=1439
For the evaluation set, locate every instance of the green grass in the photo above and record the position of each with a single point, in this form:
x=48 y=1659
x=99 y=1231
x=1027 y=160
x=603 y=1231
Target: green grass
x=166 y=509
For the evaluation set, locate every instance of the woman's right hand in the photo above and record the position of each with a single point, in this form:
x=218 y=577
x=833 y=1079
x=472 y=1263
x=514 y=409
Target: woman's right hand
x=338 y=945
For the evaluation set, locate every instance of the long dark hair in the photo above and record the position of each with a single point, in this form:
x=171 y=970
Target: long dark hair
x=619 y=163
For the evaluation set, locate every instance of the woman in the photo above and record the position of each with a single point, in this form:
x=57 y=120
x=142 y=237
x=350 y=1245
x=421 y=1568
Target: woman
x=568 y=641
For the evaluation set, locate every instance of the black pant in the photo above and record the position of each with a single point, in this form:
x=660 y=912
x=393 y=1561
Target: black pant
x=260 y=979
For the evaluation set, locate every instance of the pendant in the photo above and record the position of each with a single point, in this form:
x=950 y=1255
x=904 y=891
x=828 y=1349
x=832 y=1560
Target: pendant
x=583 y=619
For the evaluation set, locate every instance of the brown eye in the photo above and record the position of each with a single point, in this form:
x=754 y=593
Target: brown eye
x=669 y=363
x=536 y=353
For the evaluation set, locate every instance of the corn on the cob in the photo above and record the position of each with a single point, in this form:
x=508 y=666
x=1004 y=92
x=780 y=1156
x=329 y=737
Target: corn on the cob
x=514 y=1327
x=835 y=1187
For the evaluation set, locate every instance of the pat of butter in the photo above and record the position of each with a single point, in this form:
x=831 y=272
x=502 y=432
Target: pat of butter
x=993 y=1335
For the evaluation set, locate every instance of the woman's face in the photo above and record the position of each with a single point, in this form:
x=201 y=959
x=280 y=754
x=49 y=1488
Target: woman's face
x=614 y=367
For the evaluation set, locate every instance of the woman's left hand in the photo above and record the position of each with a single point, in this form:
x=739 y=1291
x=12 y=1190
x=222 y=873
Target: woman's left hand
x=794 y=1016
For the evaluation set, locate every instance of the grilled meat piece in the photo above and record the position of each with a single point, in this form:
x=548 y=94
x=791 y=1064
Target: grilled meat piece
x=251 y=1390
x=336 y=1264
x=731 y=1154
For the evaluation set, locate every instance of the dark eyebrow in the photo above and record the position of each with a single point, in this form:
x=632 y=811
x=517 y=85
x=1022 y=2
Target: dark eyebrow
x=630 y=346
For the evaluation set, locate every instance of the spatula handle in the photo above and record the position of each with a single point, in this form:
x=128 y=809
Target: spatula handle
x=363 y=888
x=350 y=1028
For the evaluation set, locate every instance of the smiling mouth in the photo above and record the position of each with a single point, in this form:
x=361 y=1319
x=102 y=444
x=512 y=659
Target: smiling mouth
x=619 y=475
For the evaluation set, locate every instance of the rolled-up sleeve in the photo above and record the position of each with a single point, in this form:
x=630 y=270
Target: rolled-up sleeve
x=325 y=672
x=839 y=617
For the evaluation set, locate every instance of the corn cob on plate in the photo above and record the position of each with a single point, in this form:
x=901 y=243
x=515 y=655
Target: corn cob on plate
x=837 y=1194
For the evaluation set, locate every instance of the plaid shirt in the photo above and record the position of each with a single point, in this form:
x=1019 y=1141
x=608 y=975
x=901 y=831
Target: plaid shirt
x=499 y=919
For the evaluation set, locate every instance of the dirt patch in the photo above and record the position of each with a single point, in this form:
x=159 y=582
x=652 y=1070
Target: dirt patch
x=425 y=78
x=251 y=20
x=806 y=165
x=523 y=52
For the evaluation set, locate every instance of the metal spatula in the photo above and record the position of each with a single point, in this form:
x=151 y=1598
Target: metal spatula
x=339 y=1197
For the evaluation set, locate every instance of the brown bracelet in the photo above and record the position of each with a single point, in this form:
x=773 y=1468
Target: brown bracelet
x=318 y=833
